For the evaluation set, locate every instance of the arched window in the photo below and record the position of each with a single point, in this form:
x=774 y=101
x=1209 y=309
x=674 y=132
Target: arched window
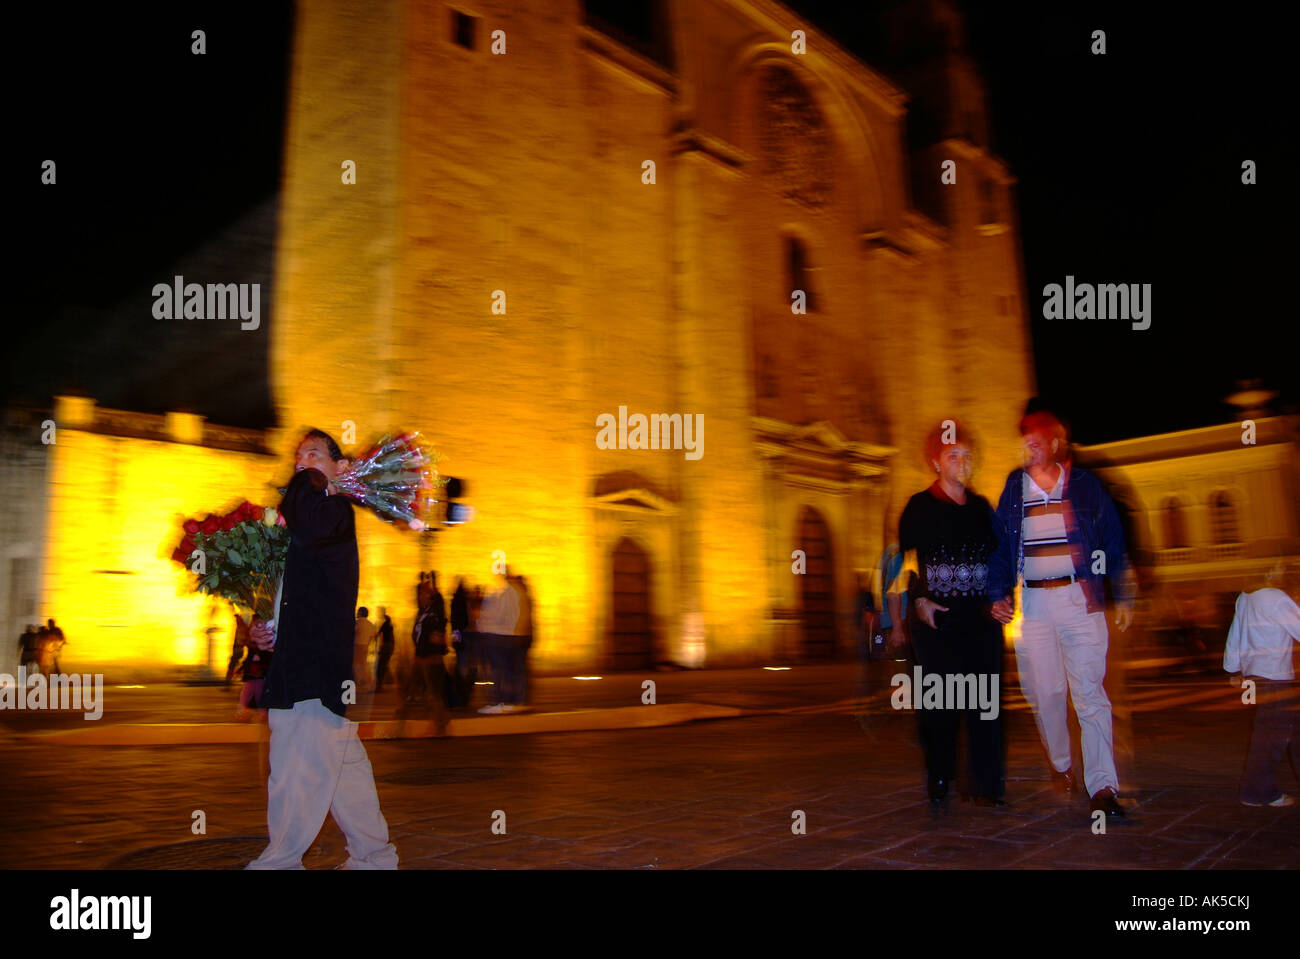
x=1223 y=518
x=799 y=271
x=1175 y=524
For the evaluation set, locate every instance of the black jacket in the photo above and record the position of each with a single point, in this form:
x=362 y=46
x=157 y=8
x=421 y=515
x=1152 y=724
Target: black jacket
x=318 y=601
x=430 y=632
x=460 y=610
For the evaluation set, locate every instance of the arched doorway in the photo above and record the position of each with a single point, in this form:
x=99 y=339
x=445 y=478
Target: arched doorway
x=816 y=586
x=632 y=641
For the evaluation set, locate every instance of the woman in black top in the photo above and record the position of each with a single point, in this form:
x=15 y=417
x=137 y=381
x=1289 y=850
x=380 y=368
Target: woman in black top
x=947 y=534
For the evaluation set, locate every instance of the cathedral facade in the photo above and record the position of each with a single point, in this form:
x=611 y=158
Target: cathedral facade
x=506 y=223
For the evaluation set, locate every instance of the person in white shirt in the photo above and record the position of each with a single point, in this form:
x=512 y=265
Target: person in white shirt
x=363 y=636
x=496 y=627
x=1259 y=647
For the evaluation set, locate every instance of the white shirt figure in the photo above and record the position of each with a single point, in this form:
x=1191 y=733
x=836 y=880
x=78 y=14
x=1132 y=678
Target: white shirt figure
x=500 y=612
x=1259 y=640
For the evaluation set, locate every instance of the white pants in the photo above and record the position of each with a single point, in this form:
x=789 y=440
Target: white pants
x=319 y=767
x=1059 y=639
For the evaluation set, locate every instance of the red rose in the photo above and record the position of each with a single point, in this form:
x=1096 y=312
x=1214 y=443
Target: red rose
x=279 y=519
x=245 y=510
x=210 y=525
x=187 y=546
x=256 y=513
x=229 y=522
x=191 y=526
x=180 y=556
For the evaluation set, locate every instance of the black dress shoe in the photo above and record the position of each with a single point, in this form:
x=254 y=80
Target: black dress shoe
x=1064 y=782
x=1105 y=801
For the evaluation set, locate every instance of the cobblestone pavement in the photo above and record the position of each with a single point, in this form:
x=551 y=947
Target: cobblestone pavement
x=717 y=794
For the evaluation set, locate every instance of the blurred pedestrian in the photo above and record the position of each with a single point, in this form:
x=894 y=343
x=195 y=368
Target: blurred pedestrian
x=29 y=648
x=318 y=765
x=363 y=634
x=461 y=683
x=521 y=642
x=257 y=663
x=893 y=603
x=1053 y=523
x=45 y=650
x=496 y=628
x=946 y=536
x=868 y=636
x=427 y=681
x=387 y=644
x=238 y=648
x=1266 y=623
x=57 y=641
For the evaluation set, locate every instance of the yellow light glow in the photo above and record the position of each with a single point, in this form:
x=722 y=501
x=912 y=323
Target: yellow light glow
x=113 y=518
x=588 y=677
x=776 y=669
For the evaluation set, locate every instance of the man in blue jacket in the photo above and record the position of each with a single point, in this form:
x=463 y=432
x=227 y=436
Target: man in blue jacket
x=318 y=765
x=1059 y=533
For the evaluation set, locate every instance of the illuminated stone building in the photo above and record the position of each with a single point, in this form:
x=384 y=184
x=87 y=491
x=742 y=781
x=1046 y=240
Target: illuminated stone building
x=520 y=176
x=1210 y=510
x=614 y=210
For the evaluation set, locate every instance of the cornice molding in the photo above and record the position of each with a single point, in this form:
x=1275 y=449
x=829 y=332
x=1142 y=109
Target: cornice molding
x=641 y=71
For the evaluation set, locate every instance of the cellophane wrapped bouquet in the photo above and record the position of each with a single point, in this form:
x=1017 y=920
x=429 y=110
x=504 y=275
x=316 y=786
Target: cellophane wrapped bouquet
x=395 y=478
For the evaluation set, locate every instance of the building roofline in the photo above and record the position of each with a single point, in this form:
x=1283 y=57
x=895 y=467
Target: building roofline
x=1269 y=430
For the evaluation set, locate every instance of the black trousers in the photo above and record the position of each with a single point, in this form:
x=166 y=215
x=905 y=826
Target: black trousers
x=966 y=649
x=381 y=665
x=1277 y=705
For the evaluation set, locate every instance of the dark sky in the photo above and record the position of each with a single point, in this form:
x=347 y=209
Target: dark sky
x=1128 y=167
x=167 y=163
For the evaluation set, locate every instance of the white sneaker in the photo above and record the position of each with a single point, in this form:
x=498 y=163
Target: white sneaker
x=1279 y=802
x=496 y=708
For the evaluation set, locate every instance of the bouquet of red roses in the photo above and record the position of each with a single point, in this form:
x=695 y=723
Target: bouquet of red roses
x=239 y=556
x=395 y=478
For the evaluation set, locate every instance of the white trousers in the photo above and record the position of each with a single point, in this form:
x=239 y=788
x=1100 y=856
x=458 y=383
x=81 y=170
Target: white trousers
x=1061 y=640
x=319 y=767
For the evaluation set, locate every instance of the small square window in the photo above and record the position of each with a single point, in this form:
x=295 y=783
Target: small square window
x=462 y=29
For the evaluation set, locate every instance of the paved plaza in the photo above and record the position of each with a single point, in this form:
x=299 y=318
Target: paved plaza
x=718 y=794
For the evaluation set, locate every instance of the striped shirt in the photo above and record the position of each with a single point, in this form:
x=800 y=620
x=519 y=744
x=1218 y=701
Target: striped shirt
x=1047 y=545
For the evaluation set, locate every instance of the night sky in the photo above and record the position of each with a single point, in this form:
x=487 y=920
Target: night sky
x=1129 y=169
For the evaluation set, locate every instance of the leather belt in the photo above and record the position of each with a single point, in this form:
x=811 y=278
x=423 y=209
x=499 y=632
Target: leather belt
x=1051 y=583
